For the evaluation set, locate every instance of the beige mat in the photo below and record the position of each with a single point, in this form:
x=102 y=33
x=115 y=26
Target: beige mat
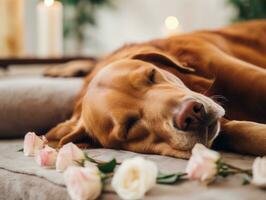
x=21 y=178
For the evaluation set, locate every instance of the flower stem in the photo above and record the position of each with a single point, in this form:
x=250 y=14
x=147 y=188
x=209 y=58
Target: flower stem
x=88 y=158
x=239 y=170
x=170 y=178
x=106 y=176
x=225 y=169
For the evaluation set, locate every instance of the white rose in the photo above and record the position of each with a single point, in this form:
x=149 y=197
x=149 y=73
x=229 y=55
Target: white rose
x=259 y=172
x=134 y=178
x=68 y=155
x=33 y=144
x=83 y=183
x=46 y=157
x=202 y=165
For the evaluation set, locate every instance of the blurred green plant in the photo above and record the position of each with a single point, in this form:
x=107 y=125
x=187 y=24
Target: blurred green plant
x=249 y=9
x=79 y=14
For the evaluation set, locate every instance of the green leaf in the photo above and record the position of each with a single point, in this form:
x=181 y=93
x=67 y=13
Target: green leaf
x=85 y=15
x=248 y=9
x=108 y=167
x=246 y=180
x=20 y=150
x=170 y=178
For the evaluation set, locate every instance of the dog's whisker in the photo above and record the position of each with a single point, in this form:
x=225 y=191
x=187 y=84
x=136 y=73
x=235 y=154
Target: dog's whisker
x=219 y=99
x=206 y=137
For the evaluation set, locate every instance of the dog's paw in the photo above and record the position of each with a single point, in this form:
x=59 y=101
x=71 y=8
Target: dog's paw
x=77 y=68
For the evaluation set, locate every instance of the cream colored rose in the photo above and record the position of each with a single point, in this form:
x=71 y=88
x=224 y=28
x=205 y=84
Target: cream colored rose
x=203 y=164
x=134 y=178
x=68 y=155
x=83 y=183
x=259 y=172
x=33 y=144
x=46 y=157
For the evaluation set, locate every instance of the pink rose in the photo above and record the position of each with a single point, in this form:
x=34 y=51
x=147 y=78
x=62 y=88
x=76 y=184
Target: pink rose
x=83 y=183
x=33 y=144
x=259 y=172
x=69 y=155
x=203 y=164
x=46 y=157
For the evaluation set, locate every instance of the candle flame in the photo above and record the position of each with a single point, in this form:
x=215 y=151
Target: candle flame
x=171 y=23
x=48 y=2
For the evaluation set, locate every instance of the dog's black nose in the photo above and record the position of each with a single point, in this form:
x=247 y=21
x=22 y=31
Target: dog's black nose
x=190 y=115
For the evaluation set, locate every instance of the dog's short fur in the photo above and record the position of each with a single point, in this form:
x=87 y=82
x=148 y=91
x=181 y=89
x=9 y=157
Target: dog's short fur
x=130 y=98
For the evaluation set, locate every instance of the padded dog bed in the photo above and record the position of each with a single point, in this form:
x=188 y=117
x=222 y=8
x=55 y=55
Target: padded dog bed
x=21 y=178
x=37 y=104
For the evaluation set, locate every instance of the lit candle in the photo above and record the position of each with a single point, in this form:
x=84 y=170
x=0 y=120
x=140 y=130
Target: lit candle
x=171 y=26
x=50 y=28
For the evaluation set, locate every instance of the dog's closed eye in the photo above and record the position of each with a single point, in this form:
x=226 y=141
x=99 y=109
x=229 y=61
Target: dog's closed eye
x=143 y=78
x=151 y=76
x=130 y=122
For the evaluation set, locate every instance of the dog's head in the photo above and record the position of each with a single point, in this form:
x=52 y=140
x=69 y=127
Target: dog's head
x=133 y=104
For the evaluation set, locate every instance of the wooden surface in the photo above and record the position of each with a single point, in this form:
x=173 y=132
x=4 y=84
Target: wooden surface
x=5 y=62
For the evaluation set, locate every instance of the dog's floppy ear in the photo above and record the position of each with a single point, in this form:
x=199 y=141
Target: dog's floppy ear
x=70 y=131
x=161 y=59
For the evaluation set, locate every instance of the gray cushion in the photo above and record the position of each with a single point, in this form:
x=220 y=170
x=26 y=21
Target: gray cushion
x=35 y=103
x=22 y=178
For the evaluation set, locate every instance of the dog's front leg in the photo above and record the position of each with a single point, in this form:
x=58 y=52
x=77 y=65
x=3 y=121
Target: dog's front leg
x=77 y=68
x=242 y=84
x=242 y=137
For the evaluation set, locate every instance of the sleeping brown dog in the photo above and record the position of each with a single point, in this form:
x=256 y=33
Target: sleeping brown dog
x=157 y=97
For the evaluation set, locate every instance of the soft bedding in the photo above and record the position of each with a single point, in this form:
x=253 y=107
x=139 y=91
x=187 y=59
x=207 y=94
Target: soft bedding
x=35 y=103
x=21 y=178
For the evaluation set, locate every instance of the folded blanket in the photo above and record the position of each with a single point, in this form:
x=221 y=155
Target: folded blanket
x=35 y=103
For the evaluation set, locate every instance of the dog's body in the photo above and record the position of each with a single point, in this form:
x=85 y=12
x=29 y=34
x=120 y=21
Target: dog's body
x=229 y=62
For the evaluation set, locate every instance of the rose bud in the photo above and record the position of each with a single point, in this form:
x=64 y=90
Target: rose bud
x=259 y=172
x=69 y=155
x=202 y=165
x=46 y=157
x=83 y=183
x=33 y=144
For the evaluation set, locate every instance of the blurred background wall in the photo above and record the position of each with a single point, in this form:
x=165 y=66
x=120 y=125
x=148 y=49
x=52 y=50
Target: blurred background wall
x=136 y=20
